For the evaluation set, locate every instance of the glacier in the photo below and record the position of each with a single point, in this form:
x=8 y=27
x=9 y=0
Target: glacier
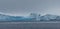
x=47 y=17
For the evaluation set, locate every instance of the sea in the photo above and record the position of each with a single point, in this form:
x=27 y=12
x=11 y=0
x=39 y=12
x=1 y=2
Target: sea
x=29 y=25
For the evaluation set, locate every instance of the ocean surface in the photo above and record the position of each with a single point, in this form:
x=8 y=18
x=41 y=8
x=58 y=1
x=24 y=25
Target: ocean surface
x=29 y=25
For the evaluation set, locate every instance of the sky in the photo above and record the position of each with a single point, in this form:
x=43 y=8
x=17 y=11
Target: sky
x=25 y=7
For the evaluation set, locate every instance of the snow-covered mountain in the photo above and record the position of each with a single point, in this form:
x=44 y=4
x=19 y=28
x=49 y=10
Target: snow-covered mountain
x=50 y=17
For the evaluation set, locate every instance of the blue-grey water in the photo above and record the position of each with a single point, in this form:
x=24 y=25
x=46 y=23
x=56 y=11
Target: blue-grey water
x=29 y=25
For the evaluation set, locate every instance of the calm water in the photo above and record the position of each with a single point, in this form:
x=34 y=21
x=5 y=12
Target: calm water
x=29 y=25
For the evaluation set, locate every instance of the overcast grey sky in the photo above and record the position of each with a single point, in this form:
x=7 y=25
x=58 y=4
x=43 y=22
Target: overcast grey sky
x=24 y=7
